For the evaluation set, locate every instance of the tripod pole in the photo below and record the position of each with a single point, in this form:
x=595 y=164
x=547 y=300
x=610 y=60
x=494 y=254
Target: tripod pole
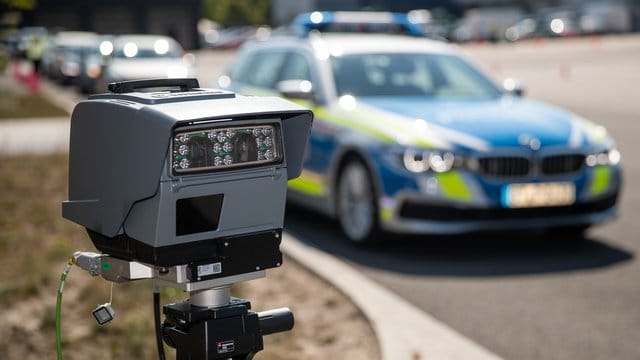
x=211 y=298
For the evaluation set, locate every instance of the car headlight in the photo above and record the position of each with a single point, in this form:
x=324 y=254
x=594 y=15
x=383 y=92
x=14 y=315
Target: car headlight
x=608 y=157
x=419 y=161
x=223 y=148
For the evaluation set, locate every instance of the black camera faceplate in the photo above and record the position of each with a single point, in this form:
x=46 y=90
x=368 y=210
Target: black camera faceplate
x=238 y=254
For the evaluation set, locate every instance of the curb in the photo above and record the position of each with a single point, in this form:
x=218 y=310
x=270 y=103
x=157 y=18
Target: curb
x=34 y=136
x=403 y=330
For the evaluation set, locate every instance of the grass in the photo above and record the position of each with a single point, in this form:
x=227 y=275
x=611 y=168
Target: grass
x=34 y=243
x=16 y=106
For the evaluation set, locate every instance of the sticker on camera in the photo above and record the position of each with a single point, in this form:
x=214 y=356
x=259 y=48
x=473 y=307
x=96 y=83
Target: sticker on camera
x=209 y=269
x=225 y=347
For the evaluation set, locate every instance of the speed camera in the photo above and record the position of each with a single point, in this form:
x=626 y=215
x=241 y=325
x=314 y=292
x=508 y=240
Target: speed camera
x=184 y=175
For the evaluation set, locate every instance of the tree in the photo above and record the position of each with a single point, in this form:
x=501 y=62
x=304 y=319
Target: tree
x=238 y=12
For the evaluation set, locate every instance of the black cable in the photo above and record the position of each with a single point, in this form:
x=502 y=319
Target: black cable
x=156 y=316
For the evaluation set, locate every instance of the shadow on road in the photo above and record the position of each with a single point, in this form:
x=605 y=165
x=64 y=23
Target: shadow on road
x=474 y=255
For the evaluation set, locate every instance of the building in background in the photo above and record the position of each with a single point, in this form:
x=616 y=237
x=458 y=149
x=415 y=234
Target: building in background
x=178 y=19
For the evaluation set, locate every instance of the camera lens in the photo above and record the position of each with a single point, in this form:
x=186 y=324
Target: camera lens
x=245 y=148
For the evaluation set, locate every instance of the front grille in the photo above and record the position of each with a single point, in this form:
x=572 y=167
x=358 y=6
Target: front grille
x=562 y=164
x=511 y=166
x=504 y=166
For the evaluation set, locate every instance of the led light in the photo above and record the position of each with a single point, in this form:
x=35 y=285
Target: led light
x=437 y=161
x=614 y=157
x=182 y=138
x=222 y=148
x=415 y=162
x=106 y=48
x=161 y=46
x=441 y=162
x=130 y=49
x=603 y=159
x=611 y=157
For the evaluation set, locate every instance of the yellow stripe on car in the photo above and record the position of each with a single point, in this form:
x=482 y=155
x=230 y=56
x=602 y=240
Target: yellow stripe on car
x=453 y=186
x=309 y=183
x=601 y=179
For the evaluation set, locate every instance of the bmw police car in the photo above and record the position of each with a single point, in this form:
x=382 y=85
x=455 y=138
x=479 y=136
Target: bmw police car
x=408 y=137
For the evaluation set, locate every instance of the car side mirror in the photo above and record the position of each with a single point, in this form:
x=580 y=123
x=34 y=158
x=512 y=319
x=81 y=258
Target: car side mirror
x=296 y=89
x=513 y=86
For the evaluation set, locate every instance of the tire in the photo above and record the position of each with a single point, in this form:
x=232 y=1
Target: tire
x=355 y=204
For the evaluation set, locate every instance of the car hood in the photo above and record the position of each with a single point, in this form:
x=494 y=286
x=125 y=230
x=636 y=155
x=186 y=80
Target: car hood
x=482 y=124
x=130 y=69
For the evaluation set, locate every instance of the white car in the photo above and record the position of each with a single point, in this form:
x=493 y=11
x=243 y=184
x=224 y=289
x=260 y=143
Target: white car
x=134 y=57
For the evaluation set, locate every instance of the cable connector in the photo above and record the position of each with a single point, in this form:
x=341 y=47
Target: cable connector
x=89 y=261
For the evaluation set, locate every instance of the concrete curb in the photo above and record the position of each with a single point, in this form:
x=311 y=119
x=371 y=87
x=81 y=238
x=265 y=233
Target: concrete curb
x=34 y=136
x=403 y=330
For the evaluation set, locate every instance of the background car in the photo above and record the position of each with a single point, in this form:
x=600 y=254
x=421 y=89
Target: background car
x=409 y=137
x=62 y=56
x=145 y=57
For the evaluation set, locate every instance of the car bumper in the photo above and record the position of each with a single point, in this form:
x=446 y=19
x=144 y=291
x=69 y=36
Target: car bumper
x=416 y=217
x=435 y=209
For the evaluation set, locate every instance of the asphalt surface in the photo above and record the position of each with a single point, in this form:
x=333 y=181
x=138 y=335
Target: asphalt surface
x=530 y=296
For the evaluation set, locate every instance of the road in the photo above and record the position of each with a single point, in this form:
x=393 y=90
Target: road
x=523 y=296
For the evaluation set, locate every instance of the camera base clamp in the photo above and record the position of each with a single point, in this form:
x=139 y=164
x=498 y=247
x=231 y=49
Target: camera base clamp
x=213 y=325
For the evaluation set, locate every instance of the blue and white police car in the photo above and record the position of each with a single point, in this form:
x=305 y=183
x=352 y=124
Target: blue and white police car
x=409 y=137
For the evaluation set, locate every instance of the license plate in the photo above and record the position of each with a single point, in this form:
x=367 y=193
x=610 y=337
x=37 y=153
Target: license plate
x=539 y=195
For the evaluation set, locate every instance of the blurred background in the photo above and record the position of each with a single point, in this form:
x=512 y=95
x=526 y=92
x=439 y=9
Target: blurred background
x=519 y=296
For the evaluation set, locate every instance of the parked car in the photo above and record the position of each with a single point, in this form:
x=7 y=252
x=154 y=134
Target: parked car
x=92 y=61
x=62 y=56
x=409 y=137
x=145 y=57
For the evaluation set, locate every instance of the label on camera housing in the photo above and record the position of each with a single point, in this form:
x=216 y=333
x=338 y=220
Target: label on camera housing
x=209 y=269
x=225 y=347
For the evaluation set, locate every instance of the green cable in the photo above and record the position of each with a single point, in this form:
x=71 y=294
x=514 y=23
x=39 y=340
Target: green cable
x=63 y=277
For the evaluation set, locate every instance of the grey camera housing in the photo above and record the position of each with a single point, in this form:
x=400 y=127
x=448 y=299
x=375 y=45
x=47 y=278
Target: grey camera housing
x=123 y=190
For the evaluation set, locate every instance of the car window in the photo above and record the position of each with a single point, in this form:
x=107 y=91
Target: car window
x=296 y=68
x=264 y=68
x=400 y=74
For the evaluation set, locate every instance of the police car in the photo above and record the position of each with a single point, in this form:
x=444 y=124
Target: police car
x=408 y=137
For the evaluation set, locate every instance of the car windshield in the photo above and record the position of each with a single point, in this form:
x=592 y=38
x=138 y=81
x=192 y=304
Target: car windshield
x=403 y=74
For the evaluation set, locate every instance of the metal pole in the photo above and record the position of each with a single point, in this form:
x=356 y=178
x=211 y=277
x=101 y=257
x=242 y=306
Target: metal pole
x=216 y=297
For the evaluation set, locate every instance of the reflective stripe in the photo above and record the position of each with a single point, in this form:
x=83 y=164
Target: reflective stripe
x=350 y=123
x=453 y=186
x=309 y=185
x=385 y=208
x=600 y=180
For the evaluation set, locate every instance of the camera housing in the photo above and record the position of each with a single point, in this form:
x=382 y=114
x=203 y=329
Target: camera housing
x=185 y=175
